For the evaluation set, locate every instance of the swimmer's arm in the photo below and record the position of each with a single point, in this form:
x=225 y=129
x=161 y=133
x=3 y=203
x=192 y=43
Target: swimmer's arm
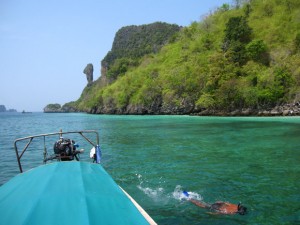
x=200 y=204
x=213 y=213
x=219 y=213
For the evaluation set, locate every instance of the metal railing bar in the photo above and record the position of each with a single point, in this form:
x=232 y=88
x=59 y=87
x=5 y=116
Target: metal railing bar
x=29 y=142
x=88 y=140
x=60 y=133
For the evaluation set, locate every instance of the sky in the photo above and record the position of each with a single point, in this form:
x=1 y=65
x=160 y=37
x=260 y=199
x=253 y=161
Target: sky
x=45 y=45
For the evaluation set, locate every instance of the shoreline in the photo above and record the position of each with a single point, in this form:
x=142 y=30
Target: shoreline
x=271 y=112
x=288 y=110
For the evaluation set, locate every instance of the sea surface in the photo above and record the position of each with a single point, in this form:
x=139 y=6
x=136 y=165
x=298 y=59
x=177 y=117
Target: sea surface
x=251 y=160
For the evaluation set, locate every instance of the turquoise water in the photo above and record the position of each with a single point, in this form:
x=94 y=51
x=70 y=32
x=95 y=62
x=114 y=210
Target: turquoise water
x=250 y=160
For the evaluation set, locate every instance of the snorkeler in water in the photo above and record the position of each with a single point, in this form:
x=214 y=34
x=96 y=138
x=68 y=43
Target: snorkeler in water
x=220 y=207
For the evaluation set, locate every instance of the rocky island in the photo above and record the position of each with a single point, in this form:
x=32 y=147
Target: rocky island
x=223 y=65
x=3 y=109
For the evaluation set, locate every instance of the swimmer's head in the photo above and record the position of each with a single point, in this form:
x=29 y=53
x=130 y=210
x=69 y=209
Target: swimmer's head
x=241 y=209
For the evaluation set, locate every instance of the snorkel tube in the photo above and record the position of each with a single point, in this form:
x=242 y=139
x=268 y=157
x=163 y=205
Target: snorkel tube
x=186 y=194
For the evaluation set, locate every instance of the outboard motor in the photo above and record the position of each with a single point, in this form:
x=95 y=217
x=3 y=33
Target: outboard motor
x=65 y=148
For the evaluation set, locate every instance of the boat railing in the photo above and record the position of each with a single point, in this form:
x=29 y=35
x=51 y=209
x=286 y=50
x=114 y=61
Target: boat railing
x=19 y=154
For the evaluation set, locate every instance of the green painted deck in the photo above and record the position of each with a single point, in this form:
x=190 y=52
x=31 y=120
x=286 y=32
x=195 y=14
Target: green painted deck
x=66 y=193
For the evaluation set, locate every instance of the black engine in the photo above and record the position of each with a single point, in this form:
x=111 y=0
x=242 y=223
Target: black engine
x=65 y=148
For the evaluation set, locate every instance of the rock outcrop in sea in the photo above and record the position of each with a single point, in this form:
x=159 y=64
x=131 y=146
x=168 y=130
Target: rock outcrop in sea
x=57 y=108
x=88 y=71
x=3 y=109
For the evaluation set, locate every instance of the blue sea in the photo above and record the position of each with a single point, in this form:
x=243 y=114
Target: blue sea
x=251 y=160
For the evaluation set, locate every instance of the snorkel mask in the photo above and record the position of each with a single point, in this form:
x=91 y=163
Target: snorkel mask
x=241 y=209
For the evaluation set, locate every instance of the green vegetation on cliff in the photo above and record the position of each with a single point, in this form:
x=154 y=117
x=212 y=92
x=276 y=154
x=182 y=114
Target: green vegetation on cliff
x=133 y=42
x=237 y=57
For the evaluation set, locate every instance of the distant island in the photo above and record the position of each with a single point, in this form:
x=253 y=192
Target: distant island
x=240 y=60
x=53 y=108
x=3 y=109
x=57 y=108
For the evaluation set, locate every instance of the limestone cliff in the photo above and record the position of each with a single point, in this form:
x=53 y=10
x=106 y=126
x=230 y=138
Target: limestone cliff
x=133 y=42
x=223 y=65
x=88 y=71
